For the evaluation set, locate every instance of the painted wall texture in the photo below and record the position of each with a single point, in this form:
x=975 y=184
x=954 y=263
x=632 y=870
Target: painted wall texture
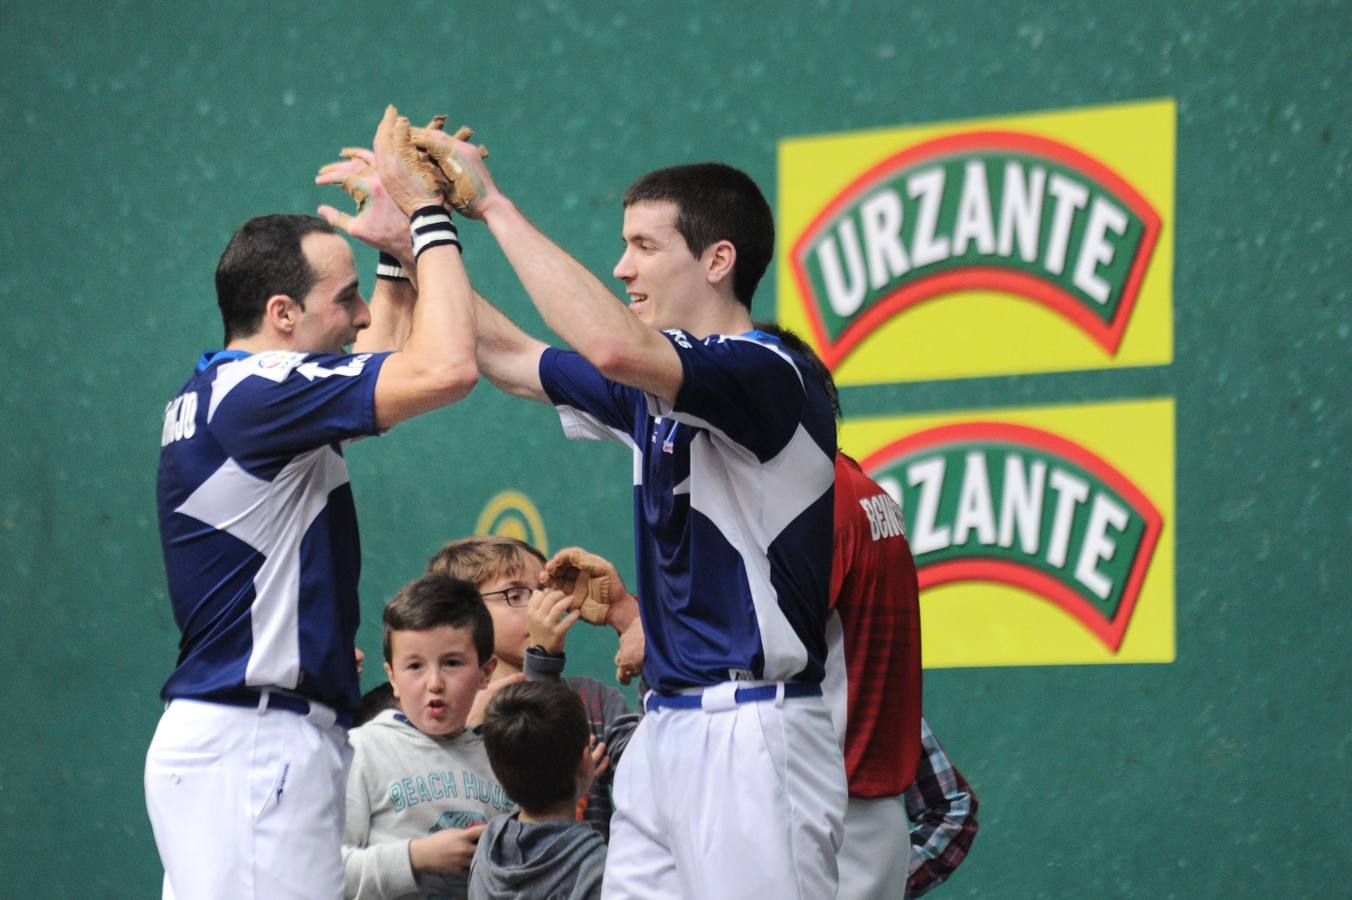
x=137 y=136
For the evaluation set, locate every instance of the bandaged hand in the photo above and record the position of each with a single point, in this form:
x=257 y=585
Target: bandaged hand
x=468 y=186
x=589 y=578
x=408 y=176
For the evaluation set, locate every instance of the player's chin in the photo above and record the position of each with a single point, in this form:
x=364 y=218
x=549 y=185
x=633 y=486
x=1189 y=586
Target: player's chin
x=641 y=310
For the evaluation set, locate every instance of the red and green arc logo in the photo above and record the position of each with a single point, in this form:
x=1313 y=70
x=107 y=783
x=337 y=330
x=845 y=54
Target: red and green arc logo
x=986 y=210
x=992 y=501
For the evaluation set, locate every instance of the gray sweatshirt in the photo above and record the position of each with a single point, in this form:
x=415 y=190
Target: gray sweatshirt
x=537 y=861
x=403 y=785
x=610 y=719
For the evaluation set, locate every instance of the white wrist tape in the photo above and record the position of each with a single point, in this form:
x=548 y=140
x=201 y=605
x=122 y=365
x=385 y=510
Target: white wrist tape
x=431 y=226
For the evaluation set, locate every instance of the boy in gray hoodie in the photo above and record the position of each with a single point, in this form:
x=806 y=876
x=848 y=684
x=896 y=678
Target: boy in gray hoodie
x=421 y=788
x=536 y=733
x=529 y=627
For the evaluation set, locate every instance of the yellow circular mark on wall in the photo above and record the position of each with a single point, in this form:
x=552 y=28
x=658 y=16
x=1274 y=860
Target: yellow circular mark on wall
x=512 y=514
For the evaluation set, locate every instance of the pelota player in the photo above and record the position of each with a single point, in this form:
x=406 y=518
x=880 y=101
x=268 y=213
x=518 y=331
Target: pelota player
x=733 y=784
x=874 y=639
x=245 y=776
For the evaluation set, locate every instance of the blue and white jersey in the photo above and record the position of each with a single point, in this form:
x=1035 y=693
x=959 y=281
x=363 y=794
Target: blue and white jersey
x=258 y=525
x=732 y=505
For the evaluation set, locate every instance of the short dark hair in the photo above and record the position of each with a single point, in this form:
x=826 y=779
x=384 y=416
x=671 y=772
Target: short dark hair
x=374 y=702
x=800 y=346
x=716 y=203
x=264 y=258
x=435 y=600
x=535 y=732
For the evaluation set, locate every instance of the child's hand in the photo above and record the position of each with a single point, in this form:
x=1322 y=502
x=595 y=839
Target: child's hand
x=481 y=700
x=549 y=615
x=600 y=762
x=600 y=758
x=446 y=851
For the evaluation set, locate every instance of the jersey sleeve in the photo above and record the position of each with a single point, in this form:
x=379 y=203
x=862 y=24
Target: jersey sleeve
x=591 y=407
x=749 y=391
x=284 y=404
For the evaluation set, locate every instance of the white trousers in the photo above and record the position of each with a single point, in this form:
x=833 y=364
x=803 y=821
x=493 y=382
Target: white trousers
x=247 y=803
x=744 y=802
x=875 y=860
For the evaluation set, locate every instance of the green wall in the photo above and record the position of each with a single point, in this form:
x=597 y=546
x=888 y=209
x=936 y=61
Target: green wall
x=137 y=136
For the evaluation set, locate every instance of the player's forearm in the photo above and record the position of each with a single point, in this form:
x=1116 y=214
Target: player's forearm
x=440 y=344
x=622 y=613
x=573 y=302
x=507 y=356
x=392 y=302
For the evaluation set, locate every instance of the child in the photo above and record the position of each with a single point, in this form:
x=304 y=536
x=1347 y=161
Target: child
x=537 y=735
x=529 y=627
x=421 y=786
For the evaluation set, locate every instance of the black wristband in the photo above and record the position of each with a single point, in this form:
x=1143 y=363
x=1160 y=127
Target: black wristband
x=431 y=226
x=541 y=651
x=390 y=267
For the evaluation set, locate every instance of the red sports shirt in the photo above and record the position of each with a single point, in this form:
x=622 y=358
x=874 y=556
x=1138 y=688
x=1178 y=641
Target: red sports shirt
x=874 y=590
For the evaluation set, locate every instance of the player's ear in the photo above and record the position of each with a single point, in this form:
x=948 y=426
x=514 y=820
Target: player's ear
x=281 y=312
x=486 y=671
x=719 y=259
x=389 y=673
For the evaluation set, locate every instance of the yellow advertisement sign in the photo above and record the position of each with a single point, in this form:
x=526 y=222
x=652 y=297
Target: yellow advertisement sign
x=1028 y=243
x=1042 y=535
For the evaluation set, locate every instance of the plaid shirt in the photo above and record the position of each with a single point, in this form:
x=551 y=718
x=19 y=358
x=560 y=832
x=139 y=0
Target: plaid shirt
x=942 y=808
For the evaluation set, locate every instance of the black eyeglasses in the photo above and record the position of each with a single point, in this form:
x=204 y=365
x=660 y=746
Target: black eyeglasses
x=515 y=596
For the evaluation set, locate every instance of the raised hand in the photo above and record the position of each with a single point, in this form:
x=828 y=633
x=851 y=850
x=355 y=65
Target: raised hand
x=379 y=222
x=592 y=580
x=549 y=615
x=600 y=757
x=471 y=189
x=408 y=176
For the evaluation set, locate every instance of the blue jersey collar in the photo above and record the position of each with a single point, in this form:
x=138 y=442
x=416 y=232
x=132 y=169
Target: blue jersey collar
x=211 y=357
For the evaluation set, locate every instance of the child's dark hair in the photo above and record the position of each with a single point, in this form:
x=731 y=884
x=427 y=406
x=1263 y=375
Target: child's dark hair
x=374 y=702
x=435 y=600
x=535 y=733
